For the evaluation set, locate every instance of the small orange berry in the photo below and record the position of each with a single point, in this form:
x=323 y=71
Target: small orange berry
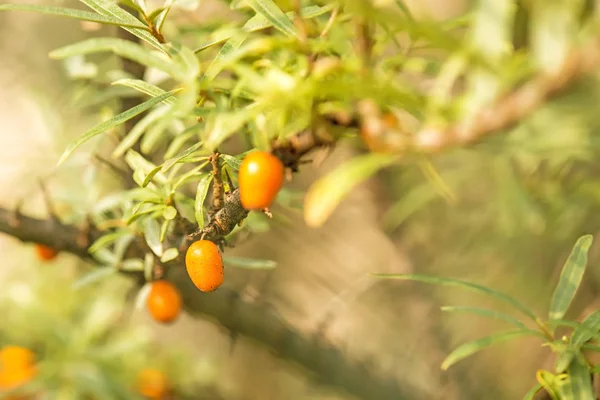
x=204 y=265
x=152 y=383
x=164 y=301
x=260 y=178
x=45 y=253
x=14 y=379
x=16 y=358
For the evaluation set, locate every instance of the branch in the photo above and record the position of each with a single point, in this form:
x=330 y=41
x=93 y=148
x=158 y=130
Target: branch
x=327 y=363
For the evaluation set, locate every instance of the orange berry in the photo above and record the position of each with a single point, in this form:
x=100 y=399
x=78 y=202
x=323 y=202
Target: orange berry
x=45 y=253
x=260 y=179
x=204 y=265
x=16 y=358
x=164 y=301
x=14 y=379
x=152 y=383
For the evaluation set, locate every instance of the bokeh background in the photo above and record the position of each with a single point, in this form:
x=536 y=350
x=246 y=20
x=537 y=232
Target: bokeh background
x=491 y=233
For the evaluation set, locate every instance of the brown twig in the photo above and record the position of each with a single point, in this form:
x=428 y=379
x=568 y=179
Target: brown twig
x=218 y=190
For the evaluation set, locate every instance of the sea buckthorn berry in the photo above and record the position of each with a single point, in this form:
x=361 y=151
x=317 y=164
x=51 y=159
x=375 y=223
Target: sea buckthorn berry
x=164 y=301
x=260 y=178
x=204 y=265
x=152 y=383
x=45 y=253
x=17 y=367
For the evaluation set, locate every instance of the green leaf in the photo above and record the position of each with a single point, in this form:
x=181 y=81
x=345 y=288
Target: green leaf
x=579 y=384
x=530 y=395
x=111 y=123
x=97 y=274
x=248 y=263
x=110 y=9
x=570 y=278
x=120 y=47
x=169 y=255
x=105 y=240
x=142 y=296
x=551 y=383
x=475 y=346
x=201 y=193
x=144 y=87
x=258 y=22
x=132 y=265
x=172 y=161
x=148 y=266
x=228 y=48
x=233 y=162
x=164 y=227
x=71 y=13
x=226 y=124
x=152 y=236
x=150 y=176
x=170 y=213
x=486 y=313
x=435 y=280
x=138 y=130
x=586 y=330
x=161 y=17
x=269 y=10
x=139 y=214
x=326 y=193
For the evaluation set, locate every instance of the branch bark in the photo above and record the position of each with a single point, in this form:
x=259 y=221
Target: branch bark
x=326 y=362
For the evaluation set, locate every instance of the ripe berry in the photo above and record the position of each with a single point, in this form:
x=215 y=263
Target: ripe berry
x=260 y=179
x=152 y=383
x=17 y=366
x=45 y=253
x=204 y=265
x=164 y=302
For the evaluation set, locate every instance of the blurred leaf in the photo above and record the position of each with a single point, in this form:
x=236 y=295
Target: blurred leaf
x=530 y=395
x=201 y=193
x=248 y=263
x=138 y=5
x=169 y=255
x=97 y=274
x=144 y=87
x=172 y=161
x=148 y=266
x=142 y=167
x=586 y=330
x=326 y=193
x=120 y=47
x=228 y=48
x=579 y=384
x=269 y=10
x=106 y=240
x=72 y=13
x=142 y=296
x=435 y=280
x=164 y=227
x=152 y=236
x=486 y=313
x=111 y=123
x=132 y=265
x=226 y=124
x=137 y=214
x=550 y=383
x=475 y=346
x=169 y=213
x=110 y=9
x=570 y=278
x=138 y=130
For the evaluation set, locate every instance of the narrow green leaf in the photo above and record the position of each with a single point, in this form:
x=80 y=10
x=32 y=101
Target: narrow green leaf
x=111 y=123
x=579 y=384
x=152 y=236
x=150 y=176
x=570 y=278
x=94 y=276
x=110 y=9
x=272 y=13
x=201 y=193
x=132 y=265
x=161 y=17
x=228 y=48
x=148 y=266
x=138 y=130
x=530 y=395
x=435 y=280
x=248 y=263
x=164 y=227
x=586 y=330
x=144 y=87
x=486 y=313
x=258 y=22
x=142 y=296
x=106 y=240
x=71 y=13
x=170 y=162
x=120 y=47
x=169 y=255
x=141 y=213
x=193 y=174
x=551 y=383
x=326 y=193
x=170 y=213
x=233 y=162
x=475 y=346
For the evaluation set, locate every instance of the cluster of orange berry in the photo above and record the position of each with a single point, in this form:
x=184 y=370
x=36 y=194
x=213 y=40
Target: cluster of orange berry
x=260 y=178
x=17 y=368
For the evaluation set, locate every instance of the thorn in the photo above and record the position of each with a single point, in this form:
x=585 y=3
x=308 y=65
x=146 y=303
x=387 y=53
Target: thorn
x=267 y=212
x=48 y=201
x=229 y=181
